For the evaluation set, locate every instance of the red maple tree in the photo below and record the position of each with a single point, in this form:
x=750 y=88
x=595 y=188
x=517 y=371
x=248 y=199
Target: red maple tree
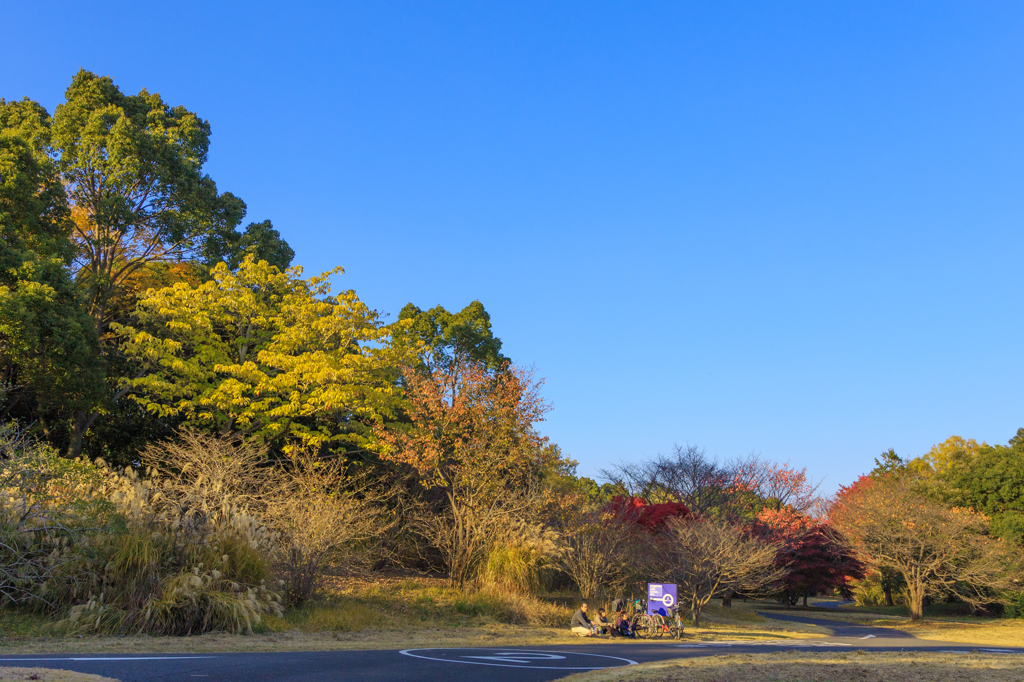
x=812 y=554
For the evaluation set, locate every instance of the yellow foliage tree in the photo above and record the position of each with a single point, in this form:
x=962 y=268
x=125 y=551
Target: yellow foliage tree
x=951 y=450
x=266 y=353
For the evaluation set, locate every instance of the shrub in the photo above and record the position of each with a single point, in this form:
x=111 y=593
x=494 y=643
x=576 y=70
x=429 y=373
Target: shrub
x=516 y=562
x=320 y=513
x=46 y=505
x=1014 y=607
x=173 y=552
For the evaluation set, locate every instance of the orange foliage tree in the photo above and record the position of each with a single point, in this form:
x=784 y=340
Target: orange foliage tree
x=937 y=550
x=469 y=433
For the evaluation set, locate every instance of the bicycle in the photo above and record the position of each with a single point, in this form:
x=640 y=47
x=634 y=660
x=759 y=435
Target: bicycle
x=676 y=629
x=640 y=623
x=650 y=626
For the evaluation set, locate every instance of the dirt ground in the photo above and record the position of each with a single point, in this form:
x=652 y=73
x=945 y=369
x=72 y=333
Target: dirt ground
x=859 y=665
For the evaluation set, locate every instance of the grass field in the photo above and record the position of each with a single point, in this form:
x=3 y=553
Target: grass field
x=391 y=613
x=826 y=667
x=423 y=612
x=959 y=629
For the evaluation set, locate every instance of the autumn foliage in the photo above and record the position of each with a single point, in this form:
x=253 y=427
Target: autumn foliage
x=650 y=517
x=938 y=550
x=813 y=556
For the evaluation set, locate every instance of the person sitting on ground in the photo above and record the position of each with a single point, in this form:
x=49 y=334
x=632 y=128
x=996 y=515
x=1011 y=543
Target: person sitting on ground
x=601 y=622
x=621 y=627
x=581 y=624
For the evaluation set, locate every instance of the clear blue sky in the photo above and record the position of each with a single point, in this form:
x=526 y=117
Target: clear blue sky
x=793 y=228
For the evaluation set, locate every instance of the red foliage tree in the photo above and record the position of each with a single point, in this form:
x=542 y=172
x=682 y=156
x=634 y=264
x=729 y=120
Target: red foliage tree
x=813 y=555
x=651 y=517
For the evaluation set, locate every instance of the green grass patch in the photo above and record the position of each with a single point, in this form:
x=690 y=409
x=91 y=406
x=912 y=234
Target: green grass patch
x=18 y=623
x=930 y=611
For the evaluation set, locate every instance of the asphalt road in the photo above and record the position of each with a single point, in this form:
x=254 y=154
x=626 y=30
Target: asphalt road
x=466 y=665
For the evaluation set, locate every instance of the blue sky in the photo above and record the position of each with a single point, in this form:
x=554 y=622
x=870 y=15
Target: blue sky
x=791 y=228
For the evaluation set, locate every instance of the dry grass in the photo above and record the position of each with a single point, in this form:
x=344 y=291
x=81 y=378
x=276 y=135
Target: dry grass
x=824 y=667
x=489 y=635
x=1002 y=632
x=390 y=613
x=48 y=675
x=963 y=630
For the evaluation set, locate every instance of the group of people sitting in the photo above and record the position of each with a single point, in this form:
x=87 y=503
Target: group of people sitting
x=583 y=626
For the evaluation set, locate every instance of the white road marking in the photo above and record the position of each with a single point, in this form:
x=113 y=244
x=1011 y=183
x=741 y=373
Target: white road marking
x=868 y=637
x=515 y=657
x=520 y=654
x=707 y=645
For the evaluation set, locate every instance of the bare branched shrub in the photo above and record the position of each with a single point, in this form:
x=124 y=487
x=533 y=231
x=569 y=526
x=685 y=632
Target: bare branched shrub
x=603 y=551
x=320 y=512
x=202 y=474
x=480 y=512
x=706 y=557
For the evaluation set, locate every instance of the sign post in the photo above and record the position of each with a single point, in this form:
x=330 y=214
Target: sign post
x=660 y=598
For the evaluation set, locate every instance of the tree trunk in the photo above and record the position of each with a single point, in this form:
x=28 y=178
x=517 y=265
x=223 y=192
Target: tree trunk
x=83 y=420
x=695 y=613
x=888 y=595
x=727 y=599
x=805 y=599
x=915 y=593
x=786 y=598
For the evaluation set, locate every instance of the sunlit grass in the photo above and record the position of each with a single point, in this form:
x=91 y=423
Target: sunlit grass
x=796 y=666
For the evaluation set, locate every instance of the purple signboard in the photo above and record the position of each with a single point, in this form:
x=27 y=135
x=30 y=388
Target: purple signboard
x=660 y=598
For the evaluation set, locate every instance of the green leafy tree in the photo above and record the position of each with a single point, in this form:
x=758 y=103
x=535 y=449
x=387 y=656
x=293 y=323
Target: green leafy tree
x=264 y=352
x=990 y=480
x=130 y=168
x=47 y=343
x=449 y=340
x=260 y=240
x=888 y=462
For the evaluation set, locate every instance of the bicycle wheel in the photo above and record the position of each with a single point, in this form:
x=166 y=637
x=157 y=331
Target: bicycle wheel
x=649 y=627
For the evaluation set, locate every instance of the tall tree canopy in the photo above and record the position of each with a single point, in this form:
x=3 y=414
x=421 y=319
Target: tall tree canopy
x=47 y=343
x=937 y=550
x=111 y=190
x=448 y=340
x=132 y=168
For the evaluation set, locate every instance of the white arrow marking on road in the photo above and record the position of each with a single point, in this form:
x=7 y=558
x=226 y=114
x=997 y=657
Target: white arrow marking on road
x=868 y=637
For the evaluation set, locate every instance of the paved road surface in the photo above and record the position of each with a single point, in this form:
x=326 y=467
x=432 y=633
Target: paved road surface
x=464 y=665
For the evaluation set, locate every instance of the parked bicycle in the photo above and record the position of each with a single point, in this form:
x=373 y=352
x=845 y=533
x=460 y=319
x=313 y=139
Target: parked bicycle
x=656 y=625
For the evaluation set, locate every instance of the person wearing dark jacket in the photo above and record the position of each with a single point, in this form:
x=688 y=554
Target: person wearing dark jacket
x=581 y=624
